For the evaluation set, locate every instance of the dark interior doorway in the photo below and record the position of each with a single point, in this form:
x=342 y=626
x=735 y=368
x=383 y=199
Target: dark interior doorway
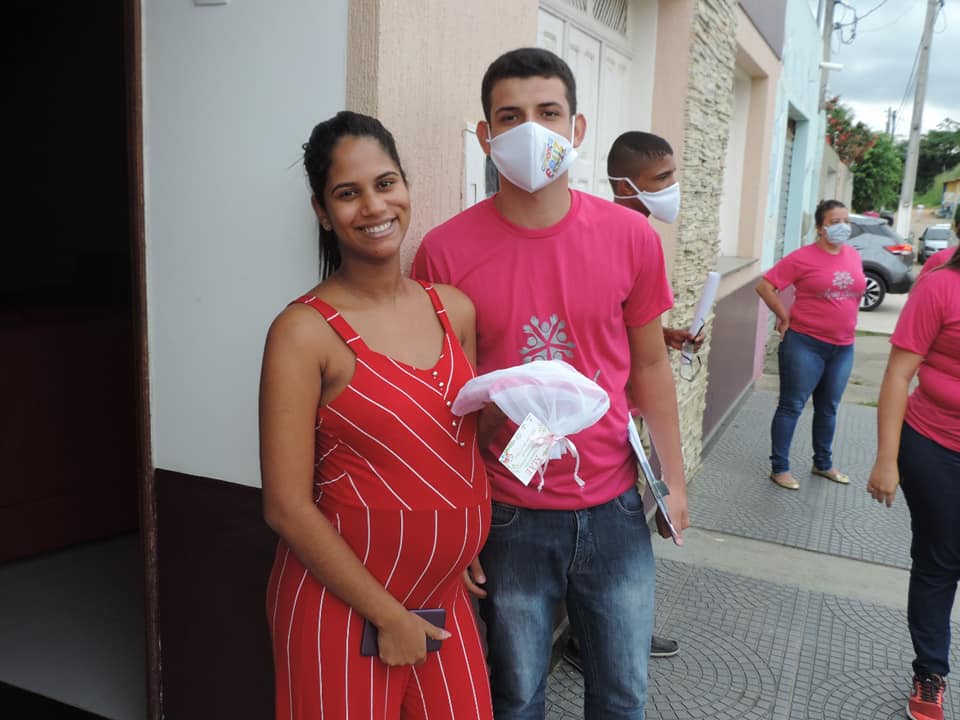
x=68 y=425
x=73 y=407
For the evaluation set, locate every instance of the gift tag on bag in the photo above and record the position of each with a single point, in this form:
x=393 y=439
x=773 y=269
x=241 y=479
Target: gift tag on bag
x=528 y=449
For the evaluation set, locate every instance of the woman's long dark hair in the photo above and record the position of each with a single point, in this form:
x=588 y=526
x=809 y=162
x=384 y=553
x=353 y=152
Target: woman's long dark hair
x=318 y=156
x=953 y=263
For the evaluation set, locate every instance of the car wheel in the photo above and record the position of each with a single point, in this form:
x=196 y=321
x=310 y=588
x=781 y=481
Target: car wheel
x=874 y=293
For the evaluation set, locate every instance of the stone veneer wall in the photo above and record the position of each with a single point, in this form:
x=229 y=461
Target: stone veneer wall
x=708 y=111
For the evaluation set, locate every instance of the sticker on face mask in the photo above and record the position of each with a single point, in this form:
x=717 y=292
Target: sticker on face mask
x=552 y=157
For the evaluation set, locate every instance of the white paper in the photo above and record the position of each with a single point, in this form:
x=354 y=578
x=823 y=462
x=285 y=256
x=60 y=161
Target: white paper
x=656 y=490
x=707 y=297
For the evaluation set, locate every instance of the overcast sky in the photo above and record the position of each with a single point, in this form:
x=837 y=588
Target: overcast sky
x=878 y=60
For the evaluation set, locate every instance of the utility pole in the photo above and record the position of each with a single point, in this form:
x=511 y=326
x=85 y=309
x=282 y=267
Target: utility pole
x=827 y=36
x=905 y=211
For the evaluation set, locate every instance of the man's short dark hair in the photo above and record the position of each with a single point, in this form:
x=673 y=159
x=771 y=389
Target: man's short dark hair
x=525 y=63
x=635 y=148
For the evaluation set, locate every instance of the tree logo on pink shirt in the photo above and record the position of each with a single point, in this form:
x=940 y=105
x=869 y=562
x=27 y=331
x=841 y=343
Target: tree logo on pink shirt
x=842 y=286
x=842 y=279
x=546 y=340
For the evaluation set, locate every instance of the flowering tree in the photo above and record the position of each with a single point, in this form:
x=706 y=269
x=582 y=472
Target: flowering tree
x=850 y=140
x=876 y=166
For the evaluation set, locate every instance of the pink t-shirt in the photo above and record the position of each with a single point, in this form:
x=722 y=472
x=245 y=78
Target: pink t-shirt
x=828 y=290
x=929 y=325
x=568 y=291
x=936 y=260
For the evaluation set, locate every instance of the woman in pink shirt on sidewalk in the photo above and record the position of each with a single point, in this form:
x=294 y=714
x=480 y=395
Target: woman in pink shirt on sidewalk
x=816 y=333
x=918 y=448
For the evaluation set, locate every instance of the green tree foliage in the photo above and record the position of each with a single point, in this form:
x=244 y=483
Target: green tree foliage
x=876 y=178
x=939 y=151
x=934 y=195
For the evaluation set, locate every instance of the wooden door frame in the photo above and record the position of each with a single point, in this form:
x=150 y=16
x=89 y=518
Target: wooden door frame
x=133 y=68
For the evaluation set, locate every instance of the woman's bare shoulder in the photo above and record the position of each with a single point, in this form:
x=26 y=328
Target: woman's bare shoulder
x=454 y=300
x=299 y=327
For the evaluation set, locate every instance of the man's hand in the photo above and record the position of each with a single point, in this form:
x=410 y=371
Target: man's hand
x=489 y=422
x=677 y=506
x=675 y=338
x=473 y=578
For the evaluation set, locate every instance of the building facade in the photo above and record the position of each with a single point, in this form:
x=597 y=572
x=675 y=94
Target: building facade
x=220 y=98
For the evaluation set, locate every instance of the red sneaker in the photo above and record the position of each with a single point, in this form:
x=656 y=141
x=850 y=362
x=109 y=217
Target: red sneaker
x=926 y=700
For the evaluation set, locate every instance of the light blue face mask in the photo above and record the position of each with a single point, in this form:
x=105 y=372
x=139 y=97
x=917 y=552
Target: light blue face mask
x=838 y=234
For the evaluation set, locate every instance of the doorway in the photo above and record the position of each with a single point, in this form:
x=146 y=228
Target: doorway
x=71 y=423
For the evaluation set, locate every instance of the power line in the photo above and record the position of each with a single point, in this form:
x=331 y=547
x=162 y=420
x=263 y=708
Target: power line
x=910 y=79
x=913 y=73
x=856 y=20
x=870 y=12
x=905 y=209
x=890 y=24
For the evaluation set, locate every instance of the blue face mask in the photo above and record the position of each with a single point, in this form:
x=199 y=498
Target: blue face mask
x=838 y=234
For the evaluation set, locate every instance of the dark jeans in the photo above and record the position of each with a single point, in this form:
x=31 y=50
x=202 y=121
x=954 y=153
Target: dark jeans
x=600 y=563
x=809 y=366
x=930 y=480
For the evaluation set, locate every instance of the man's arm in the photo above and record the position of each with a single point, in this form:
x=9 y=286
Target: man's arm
x=653 y=393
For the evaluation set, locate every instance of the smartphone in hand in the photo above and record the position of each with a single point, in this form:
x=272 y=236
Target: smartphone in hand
x=368 y=640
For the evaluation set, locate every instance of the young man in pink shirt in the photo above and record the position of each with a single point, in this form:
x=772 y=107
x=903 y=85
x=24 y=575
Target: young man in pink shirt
x=642 y=174
x=558 y=274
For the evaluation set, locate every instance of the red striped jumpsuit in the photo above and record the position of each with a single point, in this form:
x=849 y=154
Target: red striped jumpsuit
x=401 y=479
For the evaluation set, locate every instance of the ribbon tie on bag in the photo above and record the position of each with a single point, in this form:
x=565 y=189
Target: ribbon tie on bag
x=565 y=444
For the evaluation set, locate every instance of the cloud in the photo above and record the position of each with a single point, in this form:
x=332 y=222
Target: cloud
x=878 y=63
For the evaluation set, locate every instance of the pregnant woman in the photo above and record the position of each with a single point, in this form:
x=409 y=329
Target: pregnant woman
x=376 y=489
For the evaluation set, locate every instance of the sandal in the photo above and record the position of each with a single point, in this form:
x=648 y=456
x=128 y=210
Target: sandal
x=788 y=482
x=832 y=474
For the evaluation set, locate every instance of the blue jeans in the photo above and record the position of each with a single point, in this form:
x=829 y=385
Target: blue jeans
x=930 y=480
x=809 y=366
x=598 y=561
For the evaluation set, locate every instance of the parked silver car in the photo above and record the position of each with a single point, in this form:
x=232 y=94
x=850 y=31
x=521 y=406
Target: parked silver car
x=933 y=239
x=887 y=259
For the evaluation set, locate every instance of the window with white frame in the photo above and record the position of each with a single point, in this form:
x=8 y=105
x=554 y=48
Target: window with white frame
x=597 y=39
x=733 y=169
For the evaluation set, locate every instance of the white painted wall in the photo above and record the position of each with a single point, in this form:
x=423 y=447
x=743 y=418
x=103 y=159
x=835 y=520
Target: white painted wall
x=643 y=40
x=733 y=166
x=797 y=98
x=231 y=92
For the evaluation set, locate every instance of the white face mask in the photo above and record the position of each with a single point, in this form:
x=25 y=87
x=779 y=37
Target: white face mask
x=530 y=156
x=837 y=234
x=663 y=204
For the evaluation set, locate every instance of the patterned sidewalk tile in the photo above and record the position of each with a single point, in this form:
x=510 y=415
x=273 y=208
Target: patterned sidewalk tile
x=753 y=650
x=733 y=494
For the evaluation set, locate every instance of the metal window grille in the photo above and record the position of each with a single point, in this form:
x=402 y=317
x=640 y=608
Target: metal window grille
x=612 y=13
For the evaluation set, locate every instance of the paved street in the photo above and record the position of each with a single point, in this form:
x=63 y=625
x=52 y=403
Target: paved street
x=884 y=318
x=787 y=605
